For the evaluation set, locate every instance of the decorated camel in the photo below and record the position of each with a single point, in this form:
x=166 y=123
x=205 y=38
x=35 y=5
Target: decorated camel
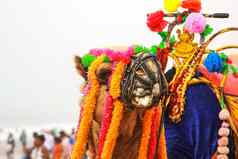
x=133 y=109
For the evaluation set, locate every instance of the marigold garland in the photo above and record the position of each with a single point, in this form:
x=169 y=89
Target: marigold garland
x=154 y=129
x=115 y=87
x=162 y=151
x=89 y=106
x=117 y=114
x=113 y=130
x=146 y=131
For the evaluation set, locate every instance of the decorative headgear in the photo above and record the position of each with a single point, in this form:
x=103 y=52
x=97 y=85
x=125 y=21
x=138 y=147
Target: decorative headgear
x=123 y=80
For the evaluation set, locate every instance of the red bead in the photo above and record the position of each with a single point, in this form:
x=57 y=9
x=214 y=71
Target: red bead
x=179 y=19
x=229 y=61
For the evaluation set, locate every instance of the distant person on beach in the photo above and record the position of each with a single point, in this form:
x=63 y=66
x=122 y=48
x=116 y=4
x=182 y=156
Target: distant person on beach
x=72 y=137
x=39 y=151
x=49 y=140
x=28 y=149
x=23 y=137
x=58 y=149
x=66 y=144
x=10 y=146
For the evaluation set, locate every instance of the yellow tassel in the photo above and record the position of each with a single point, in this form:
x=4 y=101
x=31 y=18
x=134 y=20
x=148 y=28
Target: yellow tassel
x=162 y=151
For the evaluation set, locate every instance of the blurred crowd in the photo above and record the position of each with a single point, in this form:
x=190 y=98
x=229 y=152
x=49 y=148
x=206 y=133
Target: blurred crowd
x=45 y=145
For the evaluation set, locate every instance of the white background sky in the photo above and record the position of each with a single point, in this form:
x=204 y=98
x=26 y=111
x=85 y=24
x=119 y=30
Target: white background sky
x=38 y=38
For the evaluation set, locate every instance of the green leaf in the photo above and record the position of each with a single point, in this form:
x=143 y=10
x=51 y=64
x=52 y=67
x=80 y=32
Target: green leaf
x=234 y=69
x=146 y=50
x=162 y=45
x=154 y=49
x=163 y=35
x=207 y=31
x=184 y=18
x=224 y=57
x=138 y=49
x=222 y=103
x=225 y=68
x=172 y=40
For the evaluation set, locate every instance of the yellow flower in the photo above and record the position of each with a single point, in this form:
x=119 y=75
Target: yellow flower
x=171 y=5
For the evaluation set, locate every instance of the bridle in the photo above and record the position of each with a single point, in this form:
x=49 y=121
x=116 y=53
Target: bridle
x=130 y=77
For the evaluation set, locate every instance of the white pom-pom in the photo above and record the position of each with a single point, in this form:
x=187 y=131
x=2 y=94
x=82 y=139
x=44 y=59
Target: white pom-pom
x=224 y=114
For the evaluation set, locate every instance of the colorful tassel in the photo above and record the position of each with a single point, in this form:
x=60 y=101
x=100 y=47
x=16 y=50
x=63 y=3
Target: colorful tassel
x=162 y=151
x=154 y=130
x=113 y=131
x=145 y=138
x=107 y=115
x=89 y=106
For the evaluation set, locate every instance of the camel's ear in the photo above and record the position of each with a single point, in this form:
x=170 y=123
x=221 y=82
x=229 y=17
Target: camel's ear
x=103 y=72
x=79 y=67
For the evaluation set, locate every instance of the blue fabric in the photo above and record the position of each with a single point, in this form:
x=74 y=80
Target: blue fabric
x=195 y=137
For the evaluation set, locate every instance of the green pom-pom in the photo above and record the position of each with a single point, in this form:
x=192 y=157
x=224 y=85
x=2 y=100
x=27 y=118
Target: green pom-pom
x=139 y=49
x=154 y=50
x=207 y=31
x=87 y=59
x=224 y=57
x=146 y=50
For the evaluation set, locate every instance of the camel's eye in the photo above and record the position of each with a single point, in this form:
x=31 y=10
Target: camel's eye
x=140 y=72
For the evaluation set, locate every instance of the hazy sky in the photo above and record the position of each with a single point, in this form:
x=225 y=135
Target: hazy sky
x=38 y=38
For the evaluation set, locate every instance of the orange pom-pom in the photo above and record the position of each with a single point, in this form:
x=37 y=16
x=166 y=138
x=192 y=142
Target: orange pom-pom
x=223 y=141
x=223 y=150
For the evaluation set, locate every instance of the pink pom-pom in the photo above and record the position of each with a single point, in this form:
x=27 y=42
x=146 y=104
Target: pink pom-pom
x=95 y=52
x=195 y=23
x=225 y=124
x=224 y=114
x=86 y=89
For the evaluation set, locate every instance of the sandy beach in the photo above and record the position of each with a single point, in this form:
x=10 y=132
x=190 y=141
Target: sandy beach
x=18 y=154
x=3 y=149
